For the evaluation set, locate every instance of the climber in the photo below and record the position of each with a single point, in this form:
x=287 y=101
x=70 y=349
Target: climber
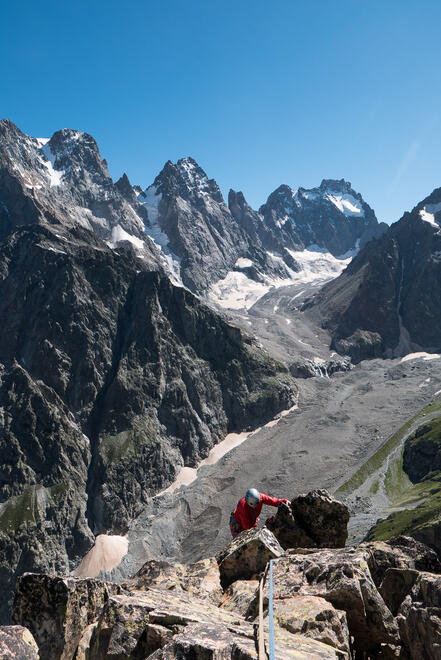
x=246 y=514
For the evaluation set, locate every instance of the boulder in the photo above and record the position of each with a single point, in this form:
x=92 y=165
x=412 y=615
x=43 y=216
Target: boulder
x=315 y=618
x=402 y=552
x=419 y=619
x=240 y=596
x=57 y=610
x=138 y=624
x=342 y=578
x=323 y=518
x=17 y=643
x=287 y=531
x=315 y=520
x=201 y=579
x=247 y=555
x=200 y=642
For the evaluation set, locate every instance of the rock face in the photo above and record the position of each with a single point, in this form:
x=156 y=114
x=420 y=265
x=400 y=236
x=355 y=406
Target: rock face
x=188 y=218
x=422 y=451
x=17 y=642
x=315 y=520
x=369 y=601
x=247 y=555
x=333 y=216
x=110 y=381
x=387 y=302
x=57 y=610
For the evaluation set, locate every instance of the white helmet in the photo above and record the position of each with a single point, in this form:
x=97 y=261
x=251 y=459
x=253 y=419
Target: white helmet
x=252 y=497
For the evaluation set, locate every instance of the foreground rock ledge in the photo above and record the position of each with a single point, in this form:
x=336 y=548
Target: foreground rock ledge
x=378 y=601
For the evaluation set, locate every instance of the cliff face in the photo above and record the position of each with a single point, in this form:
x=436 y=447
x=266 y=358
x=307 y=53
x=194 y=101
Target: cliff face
x=387 y=302
x=111 y=379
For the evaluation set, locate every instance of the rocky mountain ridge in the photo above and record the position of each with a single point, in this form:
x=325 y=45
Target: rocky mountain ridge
x=180 y=223
x=387 y=302
x=378 y=600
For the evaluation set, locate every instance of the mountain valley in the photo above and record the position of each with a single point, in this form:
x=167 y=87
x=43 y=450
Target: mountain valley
x=146 y=325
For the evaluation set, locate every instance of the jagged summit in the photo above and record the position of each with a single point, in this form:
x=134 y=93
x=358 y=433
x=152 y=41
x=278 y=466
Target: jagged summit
x=387 y=302
x=332 y=216
x=336 y=184
x=180 y=222
x=187 y=180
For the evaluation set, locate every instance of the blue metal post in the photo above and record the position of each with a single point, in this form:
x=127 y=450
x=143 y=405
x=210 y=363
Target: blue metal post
x=271 y=615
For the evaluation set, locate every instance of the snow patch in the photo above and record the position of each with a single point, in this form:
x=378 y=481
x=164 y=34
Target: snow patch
x=349 y=205
x=243 y=263
x=317 y=265
x=55 y=176
x=150 y=198
x=237 y=291
x=422 y=355
x=120 y=234
x=428 y=213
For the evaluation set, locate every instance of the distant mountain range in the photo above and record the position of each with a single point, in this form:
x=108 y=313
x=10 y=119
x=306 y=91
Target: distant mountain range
x=181 y=223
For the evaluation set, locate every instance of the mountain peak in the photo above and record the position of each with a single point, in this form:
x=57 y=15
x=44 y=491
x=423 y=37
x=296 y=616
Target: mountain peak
x=340 y=185
x=188 y=179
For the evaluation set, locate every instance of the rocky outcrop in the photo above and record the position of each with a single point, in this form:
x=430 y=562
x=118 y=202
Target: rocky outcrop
x=200 y=579
x=419 y=618
x=400 y=552
x=342 y=578
x=303 y=367
x=422 y=451
x=57 y=610
x=367 y=602
x=315 y=520
x=247 y=555
x=387 y=301
x=17 y=643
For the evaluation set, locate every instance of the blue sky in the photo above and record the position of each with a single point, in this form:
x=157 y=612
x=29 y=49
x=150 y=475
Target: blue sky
x=259 y=93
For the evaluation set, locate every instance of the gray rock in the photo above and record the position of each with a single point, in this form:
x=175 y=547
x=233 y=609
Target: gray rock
x=57 y=610
x=323 y=518
x=247 y=555
x=17 y=643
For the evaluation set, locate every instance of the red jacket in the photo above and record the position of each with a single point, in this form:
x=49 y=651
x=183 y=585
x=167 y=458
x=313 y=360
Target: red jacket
x=246 y=516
